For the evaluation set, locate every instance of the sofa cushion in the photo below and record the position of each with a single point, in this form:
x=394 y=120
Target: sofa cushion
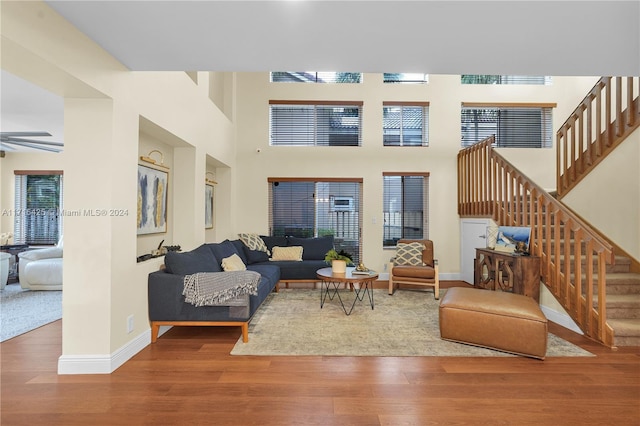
x=313 y=248
x=270 y=242
x=239 y=245
x=223 y=249
x=233 y=263
x=254 y=256
x=200 y=259
x=287 y=253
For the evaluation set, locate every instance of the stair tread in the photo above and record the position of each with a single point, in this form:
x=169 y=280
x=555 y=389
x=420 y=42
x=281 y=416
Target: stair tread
x=621 y=300
x=625 y=326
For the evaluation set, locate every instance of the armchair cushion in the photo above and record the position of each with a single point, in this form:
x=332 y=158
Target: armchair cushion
x=418 y=272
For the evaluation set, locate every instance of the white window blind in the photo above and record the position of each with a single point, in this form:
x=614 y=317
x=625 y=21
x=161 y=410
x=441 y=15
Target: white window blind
x=515 y=126
x=315 y=77
x=505 y=79
x=316 y=207
x=301 y=123
x=405 y=77
x=405 y=124
x=405 y=207
x=38 y=203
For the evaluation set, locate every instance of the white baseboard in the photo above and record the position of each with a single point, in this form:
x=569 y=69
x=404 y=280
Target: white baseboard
x=103 y=364
x=384 y=276
x=560 y=319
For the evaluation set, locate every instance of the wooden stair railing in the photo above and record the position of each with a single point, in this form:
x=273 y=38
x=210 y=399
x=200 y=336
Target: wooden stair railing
x=573 y=256
x=604 y=118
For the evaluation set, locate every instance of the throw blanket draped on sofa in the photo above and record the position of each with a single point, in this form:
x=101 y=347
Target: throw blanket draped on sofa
x=216 y=288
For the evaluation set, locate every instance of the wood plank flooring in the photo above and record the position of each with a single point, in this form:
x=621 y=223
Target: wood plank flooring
x=188 y=377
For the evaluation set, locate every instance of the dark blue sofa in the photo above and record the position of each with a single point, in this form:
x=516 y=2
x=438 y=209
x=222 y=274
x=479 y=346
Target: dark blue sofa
x=166 y=302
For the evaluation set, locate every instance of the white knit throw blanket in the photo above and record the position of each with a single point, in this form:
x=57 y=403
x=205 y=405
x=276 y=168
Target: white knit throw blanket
x=215 y=288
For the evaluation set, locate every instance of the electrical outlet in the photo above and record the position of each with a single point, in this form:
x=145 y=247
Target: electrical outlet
x=130 y=324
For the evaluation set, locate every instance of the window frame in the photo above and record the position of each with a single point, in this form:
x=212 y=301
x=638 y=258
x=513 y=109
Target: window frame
x=22 y=225
x=546 y=123
x=425 y=122
x=317 y=223
x=319 y=108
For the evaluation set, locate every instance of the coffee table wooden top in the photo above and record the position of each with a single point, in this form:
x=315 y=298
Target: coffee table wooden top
x=326 y=274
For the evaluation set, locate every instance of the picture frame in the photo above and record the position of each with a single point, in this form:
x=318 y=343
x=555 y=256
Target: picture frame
x=509 y=237
x=153 y=186
x=208 y=206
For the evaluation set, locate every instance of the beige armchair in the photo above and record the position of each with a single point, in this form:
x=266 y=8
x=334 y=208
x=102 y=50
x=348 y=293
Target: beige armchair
x=414 y=264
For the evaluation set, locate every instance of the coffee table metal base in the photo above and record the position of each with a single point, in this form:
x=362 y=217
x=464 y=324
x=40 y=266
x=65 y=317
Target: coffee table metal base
x=330 y=289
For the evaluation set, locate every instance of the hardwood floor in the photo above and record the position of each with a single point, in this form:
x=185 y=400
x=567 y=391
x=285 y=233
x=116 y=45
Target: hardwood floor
x=188 y=377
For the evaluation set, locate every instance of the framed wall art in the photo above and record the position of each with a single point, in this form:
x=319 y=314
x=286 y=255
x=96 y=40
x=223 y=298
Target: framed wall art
x=152 y=200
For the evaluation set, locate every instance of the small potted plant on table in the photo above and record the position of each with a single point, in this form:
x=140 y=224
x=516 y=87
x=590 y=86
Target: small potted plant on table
x=338 y=260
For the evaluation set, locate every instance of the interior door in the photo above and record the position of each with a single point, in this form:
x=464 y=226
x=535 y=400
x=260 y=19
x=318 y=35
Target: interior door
x=473 y=235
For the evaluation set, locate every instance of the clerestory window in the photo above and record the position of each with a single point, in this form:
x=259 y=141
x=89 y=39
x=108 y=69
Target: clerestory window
x=315 y=77
x=505 y=79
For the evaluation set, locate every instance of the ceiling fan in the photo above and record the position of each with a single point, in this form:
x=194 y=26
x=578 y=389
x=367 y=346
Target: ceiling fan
x=11 y=140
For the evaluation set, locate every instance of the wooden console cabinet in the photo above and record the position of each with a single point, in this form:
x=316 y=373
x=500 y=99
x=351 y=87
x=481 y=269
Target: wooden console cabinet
x=495 y=270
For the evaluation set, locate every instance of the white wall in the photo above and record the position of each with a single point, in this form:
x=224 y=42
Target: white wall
x=609 y=196
x=445 y=94
x=104 y=104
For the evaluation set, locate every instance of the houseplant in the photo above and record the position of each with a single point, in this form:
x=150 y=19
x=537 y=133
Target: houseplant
x=338 y=260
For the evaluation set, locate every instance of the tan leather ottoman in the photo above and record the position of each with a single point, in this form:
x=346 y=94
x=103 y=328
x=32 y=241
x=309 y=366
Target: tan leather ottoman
x=493 y=319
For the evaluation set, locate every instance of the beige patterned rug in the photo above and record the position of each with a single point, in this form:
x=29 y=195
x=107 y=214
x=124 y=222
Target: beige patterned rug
x=406 y=324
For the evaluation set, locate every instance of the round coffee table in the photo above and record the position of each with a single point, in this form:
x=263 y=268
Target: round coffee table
x=330 y=283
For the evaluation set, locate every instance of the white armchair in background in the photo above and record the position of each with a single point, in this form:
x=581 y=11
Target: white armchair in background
x=41 y=269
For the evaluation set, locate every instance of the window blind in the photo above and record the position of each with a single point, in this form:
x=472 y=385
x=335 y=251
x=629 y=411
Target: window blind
x=405 y=124
x=301 y=123
x=405 y=207
x=515 y=126
x=316 y=207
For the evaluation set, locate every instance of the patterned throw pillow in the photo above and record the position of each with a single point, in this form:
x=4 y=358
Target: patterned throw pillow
x=233 y=263
x=253 y=242
x=287 y=253
x=409 y=254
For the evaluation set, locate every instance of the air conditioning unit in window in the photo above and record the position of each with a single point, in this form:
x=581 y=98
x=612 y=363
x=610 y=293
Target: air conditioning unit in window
x=341 y=204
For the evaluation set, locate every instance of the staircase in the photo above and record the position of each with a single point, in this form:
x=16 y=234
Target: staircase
x=595 y=281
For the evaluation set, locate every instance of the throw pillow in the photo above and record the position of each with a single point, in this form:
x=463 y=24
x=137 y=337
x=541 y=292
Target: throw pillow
x=287 y=253
x=409 y=254
x=233 y=263
x=253 y=241
x=223 y=249
x=255 y=256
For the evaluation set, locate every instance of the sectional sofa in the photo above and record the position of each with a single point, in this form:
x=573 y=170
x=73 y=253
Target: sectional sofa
x=167 y=304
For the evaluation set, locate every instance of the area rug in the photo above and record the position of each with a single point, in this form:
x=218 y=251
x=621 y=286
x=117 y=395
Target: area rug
x=291 y=322
x=25 y=310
